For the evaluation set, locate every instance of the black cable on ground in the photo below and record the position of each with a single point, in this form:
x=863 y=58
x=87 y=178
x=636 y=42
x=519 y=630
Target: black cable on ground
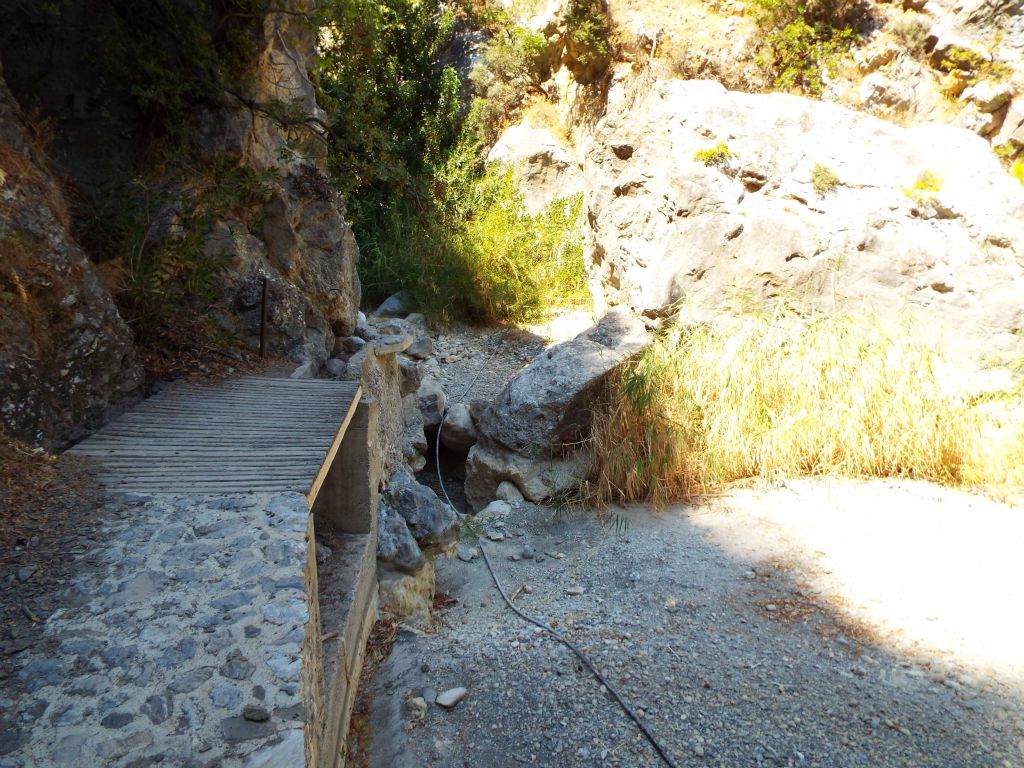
x=537 y=622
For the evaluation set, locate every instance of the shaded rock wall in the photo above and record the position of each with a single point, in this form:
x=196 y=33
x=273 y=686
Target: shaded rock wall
x=65 y=353
x=304 y=245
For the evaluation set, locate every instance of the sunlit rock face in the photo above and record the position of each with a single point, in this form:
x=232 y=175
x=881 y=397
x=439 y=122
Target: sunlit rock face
x=708 y=198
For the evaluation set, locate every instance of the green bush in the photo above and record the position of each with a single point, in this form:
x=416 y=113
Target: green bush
x=803 y=41
x=976 y=66
x=925 y=188
x=588 y=29
x=823 y=179
x=428 y=216
x=509 y=71
x=478 y=253
x=389 y=105
x=717 y=156
x=522 y=265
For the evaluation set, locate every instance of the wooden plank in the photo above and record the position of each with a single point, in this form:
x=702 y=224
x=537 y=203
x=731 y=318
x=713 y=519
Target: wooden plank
x=222 y=408
x=318 y=481
x=187 y=452
x=213 y=473
x=255 y=434
x=225 y=431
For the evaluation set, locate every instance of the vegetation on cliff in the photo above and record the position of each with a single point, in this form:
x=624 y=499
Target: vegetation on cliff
x=430 y=216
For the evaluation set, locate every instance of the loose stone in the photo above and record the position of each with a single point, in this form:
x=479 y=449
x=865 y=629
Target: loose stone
x=451 y=697
x=255 y=714
x=237 y=729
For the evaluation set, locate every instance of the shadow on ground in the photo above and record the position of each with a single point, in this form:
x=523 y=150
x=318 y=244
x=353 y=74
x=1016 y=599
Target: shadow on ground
x=734 y=660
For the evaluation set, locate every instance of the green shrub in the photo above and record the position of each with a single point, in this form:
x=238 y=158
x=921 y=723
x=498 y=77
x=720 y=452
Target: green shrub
x=799 y=55
x=717 y=156
x=925 y=188
x=522 y=265
x=588 y=29
x=1017 y=170
x=509 y=71
x=478 y=253
x=803 y=41
x=974 y=65
x=823 y=179
x=428 y=216
x=911 y=29
x=392 y=111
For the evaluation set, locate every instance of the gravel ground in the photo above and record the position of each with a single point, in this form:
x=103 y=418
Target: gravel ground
x=482 y=360
x=739 y=629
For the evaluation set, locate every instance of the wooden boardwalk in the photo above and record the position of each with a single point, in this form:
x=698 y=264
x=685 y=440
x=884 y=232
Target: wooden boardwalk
x=250 y=434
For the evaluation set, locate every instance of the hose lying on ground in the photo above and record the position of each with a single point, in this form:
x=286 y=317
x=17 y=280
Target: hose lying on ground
x=537 y=622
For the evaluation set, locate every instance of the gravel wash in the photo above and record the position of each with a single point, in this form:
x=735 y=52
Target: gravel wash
x=732 y=659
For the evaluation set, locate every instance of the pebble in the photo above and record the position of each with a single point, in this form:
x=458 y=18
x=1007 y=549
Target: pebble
x=417 y=707
x=25 y=573
x=466 y=554
x=495 y=536
x=575 y=591
x=451 y=697
x=255 y=714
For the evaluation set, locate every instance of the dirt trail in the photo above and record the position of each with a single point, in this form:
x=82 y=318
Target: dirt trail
x=823 y=623
x=743 y=643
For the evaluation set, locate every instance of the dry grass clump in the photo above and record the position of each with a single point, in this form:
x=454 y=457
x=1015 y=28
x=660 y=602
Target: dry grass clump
x=782 y=397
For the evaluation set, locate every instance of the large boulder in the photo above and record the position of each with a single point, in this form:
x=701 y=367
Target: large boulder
x=432 y=401
x=537 y=479
x=396 y=546
x=459 y=431
x=751 y=226
x=428 y=518
x=529 y=434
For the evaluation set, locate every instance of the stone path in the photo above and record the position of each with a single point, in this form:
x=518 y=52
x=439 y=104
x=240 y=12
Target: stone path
x=187 y=629
x=180 y=643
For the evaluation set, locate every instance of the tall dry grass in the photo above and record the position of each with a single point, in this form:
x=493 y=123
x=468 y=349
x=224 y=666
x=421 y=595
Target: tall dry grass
x=783 y=397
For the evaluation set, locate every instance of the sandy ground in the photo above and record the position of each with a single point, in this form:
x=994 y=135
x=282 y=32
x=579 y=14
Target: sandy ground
x=822 y=623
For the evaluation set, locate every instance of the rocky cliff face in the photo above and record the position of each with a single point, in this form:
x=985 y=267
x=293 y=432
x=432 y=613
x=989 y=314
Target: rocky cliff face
x=303 y=244
x=722 y=201
x=65 y=353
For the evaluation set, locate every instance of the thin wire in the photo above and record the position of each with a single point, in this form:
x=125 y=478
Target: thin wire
x=537 y=622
